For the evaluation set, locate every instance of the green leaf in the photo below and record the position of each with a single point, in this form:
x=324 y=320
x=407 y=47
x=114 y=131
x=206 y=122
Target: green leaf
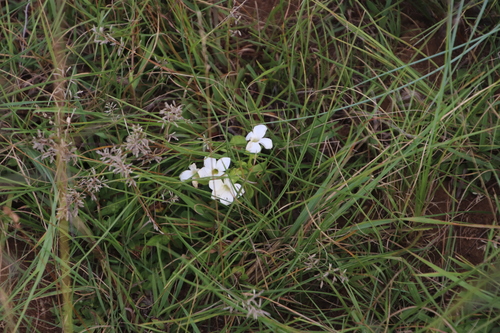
x=240 y=273
x=249 y=191
x=112 y=208
x=259 y=168
x=238 y=140
x=158 y=240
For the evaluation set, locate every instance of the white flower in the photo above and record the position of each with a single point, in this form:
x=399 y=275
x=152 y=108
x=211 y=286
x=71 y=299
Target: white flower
x=225 y=190
x=213 y=167
x=256 y=138
x=191 y=173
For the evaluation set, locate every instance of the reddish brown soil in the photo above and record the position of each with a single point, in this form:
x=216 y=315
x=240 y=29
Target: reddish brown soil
x=263 y=11
x=413 y=47
x=450 y=203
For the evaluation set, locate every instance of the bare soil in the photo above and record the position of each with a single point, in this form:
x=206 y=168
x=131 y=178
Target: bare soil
x=17 y=254
x=453 y=203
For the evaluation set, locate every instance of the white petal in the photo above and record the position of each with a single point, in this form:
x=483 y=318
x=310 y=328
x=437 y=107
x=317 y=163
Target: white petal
x=253 y=147
x=209 y=163
x=238 y=190
x=267 y=143
x=249 y=136
x=222 y=193
x=228 y=183
x=215 y=184
x=259 y=131
x=205 y=172
x=225 y=197
x=186 y=175
x=193 y=170
x=225 y=190
x=223 y=164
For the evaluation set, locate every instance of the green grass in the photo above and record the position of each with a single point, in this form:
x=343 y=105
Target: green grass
x=337 y=230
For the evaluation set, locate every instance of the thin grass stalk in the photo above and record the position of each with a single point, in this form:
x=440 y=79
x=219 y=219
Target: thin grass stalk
x=61 y=172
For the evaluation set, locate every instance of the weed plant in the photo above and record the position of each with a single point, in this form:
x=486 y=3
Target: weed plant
x=104 y=104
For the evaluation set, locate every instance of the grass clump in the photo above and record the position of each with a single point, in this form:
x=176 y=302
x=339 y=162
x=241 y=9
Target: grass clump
x=373 y=210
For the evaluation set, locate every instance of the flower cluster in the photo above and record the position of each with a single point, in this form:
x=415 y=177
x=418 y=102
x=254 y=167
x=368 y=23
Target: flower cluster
x=102 y=36
x=251 y=305
x=117 y=157
x=137 y=142
x=172 y=113
x=337 y=274
x=333 y=274
x=92 y=184
x=49 y=148
x=117 y=160
x=214 y=170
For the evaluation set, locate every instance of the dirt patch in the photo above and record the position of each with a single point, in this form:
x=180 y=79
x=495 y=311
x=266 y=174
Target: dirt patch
x=261 y=12
x=16 y=256
x=452 y=203
x=414 y=47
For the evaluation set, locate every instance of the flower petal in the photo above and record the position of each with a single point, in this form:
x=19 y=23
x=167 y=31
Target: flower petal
x=193 y=170
x=253 y=147
x=209 y=162
x=225 y=191
x=259 y=131
x=186 y=175
x=223 y=164
x=226 y=198
x=215 y=184
x=267 y=143
x=205 y=172
x=238 y=191
x=222 y=192
x=209 y=165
